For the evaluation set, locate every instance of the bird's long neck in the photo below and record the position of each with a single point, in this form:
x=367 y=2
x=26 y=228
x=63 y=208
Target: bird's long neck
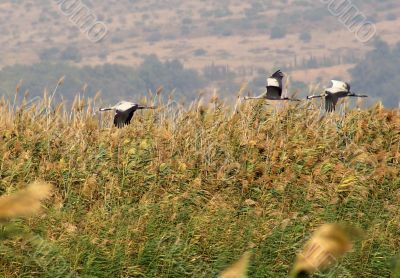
x=259 y=97
x=106 y=109
x=315 y=96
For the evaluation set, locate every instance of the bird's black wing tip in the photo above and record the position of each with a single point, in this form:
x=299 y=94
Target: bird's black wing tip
x=278 y=74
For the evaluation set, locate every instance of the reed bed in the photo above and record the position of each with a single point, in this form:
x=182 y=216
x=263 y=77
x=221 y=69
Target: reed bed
x=186 y=191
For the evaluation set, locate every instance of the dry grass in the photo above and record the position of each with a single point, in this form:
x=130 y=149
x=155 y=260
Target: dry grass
x=183 y=192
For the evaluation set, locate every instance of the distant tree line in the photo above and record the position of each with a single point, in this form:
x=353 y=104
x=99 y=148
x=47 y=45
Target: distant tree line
x=379 y=73
x=118 y=81
x=313 y=62
x=114 y=81
x=376 y=75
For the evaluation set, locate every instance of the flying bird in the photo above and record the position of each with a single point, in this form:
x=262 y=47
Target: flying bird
x=274 y=88
x=332 y=95
x=124 y=111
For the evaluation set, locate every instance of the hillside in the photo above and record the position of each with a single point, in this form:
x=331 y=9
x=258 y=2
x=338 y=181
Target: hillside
x=243 y=36
x=185 y=192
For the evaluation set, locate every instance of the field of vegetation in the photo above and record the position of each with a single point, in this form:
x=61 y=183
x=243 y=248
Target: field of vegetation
x=184 y=192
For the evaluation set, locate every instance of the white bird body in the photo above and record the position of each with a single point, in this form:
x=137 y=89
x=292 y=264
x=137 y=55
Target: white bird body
x=124 y=111
x=273 y=82
x=124 y=106
x=338 y=87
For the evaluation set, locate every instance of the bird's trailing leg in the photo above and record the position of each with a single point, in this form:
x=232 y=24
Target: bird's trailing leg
x=146 y=107
x=291 y=99
x=315 y=96
x=355 y=95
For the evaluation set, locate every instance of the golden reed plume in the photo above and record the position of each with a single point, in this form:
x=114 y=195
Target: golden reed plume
x=26 y=202
x=238 y=269
x=328 y=244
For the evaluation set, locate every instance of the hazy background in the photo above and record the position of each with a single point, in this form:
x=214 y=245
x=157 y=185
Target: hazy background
x=196 y=47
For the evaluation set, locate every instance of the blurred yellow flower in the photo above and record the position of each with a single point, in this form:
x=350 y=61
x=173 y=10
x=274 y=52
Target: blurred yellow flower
x=182 y=167
x=144 y=145
x=132 y=151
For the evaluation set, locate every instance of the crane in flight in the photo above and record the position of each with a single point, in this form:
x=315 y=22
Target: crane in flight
x=124 y=111
x=332 y=95
x=274 y=88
